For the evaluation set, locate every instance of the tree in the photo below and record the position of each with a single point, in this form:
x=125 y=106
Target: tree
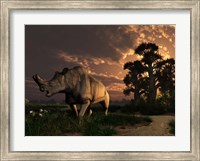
x=150 y=59
x=166 y=76
x=149 y=74
x=134 y=80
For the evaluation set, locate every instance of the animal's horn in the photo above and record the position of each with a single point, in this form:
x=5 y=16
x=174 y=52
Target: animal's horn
x=38 y=79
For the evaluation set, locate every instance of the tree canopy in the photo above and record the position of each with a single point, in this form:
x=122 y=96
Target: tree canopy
x=150 y=75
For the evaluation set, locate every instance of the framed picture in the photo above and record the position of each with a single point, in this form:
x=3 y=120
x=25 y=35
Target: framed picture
x=100 y=80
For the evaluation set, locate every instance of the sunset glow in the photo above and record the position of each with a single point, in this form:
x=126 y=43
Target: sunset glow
x=103 y=50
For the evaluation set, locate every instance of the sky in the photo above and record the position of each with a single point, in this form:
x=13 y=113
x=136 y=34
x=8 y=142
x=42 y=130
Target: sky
x=102 y=49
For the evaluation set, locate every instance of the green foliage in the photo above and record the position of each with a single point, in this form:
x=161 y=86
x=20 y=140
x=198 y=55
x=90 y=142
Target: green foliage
x=172 y=126
x=167 y=100
x=126 y=108
x=153 y=109
x=58 y=122
x=146 y=108
x=96 y=129
x=49 y=125
x=164 y=104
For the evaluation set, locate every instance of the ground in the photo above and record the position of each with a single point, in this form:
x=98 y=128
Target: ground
x=158 y=127
x=42 y=120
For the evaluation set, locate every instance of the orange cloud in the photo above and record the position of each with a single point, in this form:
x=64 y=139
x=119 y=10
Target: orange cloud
x=105 y=75
x=85 y=61
x=116 y=87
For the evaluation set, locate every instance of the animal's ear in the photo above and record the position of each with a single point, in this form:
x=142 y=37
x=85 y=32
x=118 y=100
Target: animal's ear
x=65 y=70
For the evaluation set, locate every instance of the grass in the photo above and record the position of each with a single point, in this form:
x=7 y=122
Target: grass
x=172 y=126
x=54 y=121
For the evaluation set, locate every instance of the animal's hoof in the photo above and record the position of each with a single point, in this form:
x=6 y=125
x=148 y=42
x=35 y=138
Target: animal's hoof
x=106 y=112
x=90 y=113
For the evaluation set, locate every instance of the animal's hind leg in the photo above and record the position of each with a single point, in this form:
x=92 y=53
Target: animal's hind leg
x=105 y=107
x=90 y=111
x=105 y=103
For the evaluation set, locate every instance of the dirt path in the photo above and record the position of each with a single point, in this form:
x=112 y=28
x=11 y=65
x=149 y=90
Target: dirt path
x=158 y=127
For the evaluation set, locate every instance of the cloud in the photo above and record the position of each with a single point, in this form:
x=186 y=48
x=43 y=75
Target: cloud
x=103 y=49
x=87 y=40
x=116 y=87
x=117 y=96
x=162 y=35
x=110 y=76
x=130 y=52
x=84 y=61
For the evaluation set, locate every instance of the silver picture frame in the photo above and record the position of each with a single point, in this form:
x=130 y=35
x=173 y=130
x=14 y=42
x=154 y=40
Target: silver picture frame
x=7 y=6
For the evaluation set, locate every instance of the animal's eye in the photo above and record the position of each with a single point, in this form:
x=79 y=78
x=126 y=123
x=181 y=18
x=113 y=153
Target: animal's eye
x=42 y=88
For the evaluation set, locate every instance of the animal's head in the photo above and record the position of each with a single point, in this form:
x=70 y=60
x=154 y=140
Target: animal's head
x=55 y=85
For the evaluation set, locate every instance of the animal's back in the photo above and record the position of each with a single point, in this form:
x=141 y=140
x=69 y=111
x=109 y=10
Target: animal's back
x=85 y=85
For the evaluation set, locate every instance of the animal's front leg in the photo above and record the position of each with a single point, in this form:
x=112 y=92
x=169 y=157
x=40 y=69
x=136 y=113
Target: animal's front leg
x=74 y=109
x=84 y=108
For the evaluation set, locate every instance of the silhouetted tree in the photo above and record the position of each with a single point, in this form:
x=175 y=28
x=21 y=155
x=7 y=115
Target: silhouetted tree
x=166 y=76
x=150 y=59
x=134 y=80
x=150 y=73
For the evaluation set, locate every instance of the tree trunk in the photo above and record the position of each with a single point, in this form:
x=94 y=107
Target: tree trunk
x=152 y=86
x=136 y=96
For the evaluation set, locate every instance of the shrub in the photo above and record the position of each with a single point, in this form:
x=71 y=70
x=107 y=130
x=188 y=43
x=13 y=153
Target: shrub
x=152 y=109
x=168 y=101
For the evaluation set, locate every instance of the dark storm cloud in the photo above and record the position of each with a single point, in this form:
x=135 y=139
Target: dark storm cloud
x=95 y=41
x=43 y=42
